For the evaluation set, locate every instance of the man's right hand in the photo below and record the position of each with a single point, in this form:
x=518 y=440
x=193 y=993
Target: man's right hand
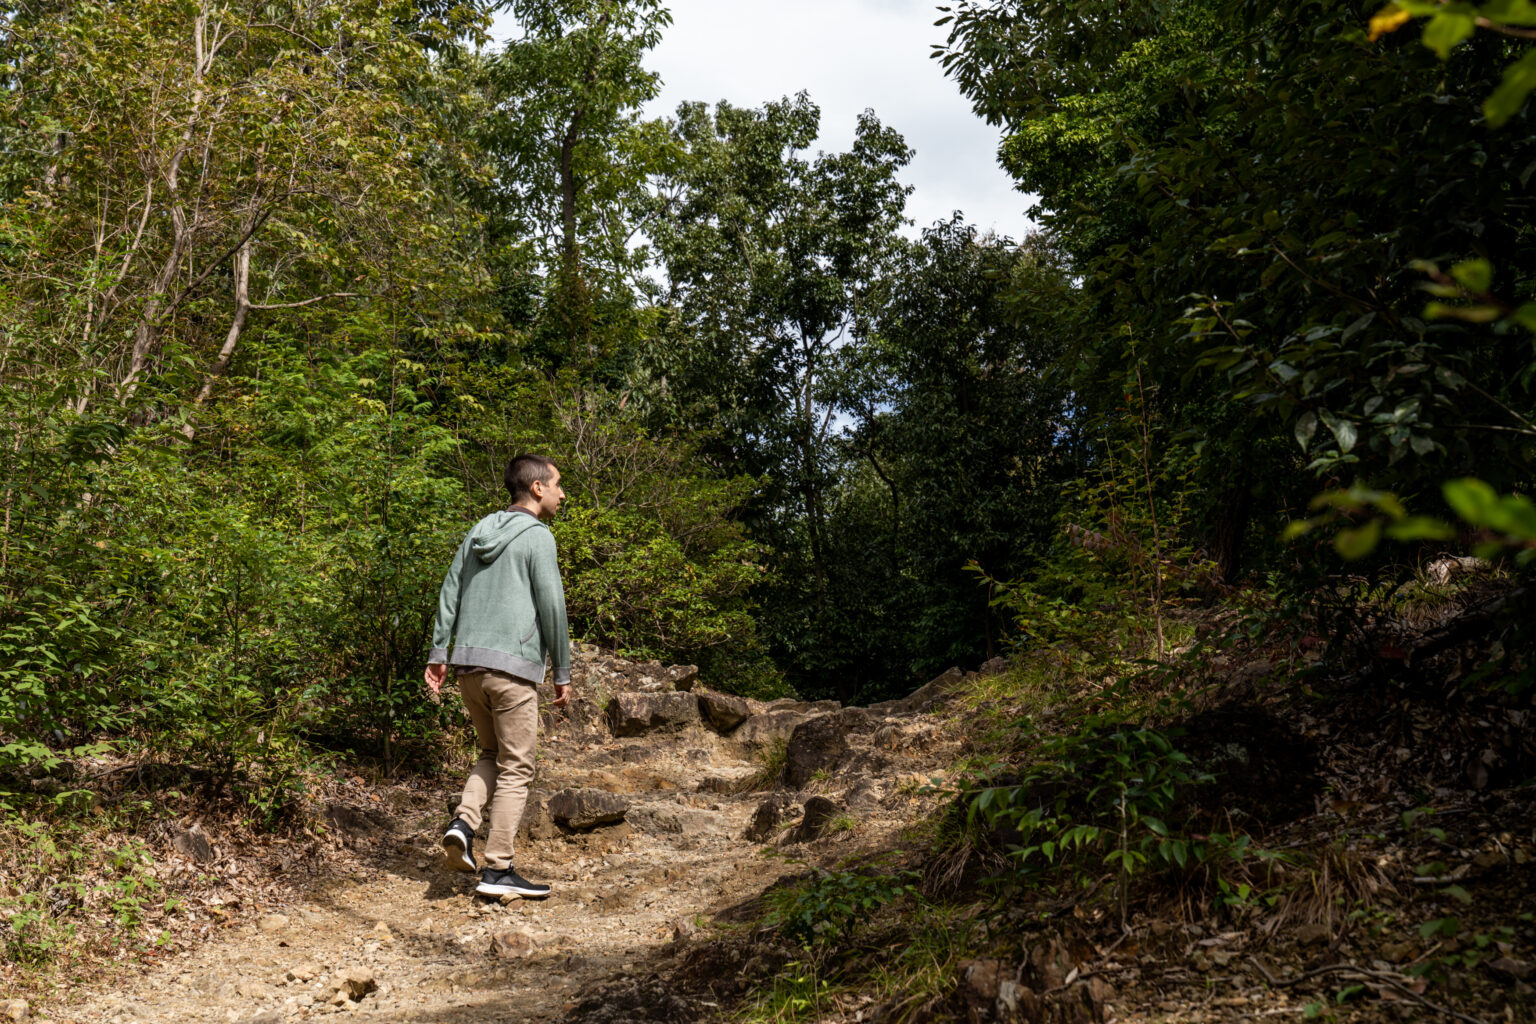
x=435 y=675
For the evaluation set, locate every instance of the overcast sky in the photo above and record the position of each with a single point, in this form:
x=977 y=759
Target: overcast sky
x=849 y=55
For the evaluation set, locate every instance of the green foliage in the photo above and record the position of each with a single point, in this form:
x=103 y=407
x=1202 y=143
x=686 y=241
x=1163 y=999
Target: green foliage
x=571 y=161
x=1505 y=523
x=61 y=885
x=1451 y=24
x=826 y=909
x=1228 y=181
x=1105 y=799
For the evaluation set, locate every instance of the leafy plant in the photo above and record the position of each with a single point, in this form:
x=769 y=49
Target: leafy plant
x=828 y=907
x=1103 y=798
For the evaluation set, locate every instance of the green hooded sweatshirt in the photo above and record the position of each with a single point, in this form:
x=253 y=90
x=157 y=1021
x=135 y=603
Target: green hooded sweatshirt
x=502 y=606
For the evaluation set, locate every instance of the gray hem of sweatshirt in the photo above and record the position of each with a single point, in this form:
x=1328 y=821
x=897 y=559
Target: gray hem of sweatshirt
x=499 y=661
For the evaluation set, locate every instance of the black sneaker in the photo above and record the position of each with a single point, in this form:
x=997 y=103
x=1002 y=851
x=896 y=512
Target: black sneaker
x=459 y=847
x=494 y=882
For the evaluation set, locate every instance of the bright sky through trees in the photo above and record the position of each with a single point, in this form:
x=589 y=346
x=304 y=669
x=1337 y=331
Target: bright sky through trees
x=849 y=55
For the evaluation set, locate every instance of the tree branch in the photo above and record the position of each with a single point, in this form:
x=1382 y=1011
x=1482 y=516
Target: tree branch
x=304 y=302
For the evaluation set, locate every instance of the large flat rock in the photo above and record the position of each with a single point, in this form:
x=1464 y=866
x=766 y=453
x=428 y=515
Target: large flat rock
x=762 y=731
x=635 y=714
x=722 y=711
x=587 y=808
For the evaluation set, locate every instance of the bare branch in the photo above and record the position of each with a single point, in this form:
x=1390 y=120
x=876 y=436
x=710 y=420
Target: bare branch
x=304 y=302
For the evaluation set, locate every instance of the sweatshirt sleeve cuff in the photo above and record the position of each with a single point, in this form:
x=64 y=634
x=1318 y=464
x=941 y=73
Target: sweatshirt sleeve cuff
x=563 y=676
x=437 y=656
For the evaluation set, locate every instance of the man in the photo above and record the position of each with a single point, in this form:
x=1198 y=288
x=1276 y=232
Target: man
x=503 y=608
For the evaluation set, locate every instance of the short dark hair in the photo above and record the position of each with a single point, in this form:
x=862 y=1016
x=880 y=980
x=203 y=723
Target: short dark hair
x=523 y=470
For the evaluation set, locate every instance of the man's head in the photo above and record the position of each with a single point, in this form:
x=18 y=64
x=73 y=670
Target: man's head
x=534 y=483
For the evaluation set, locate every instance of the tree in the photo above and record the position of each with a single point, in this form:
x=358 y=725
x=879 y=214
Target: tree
x=207 y=165
x=769 y=259
x=572 y=158
x=957 y=426
x=1244 y=191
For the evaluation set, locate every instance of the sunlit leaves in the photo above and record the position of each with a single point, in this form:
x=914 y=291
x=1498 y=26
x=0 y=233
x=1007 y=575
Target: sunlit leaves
x=1448 y=26
x=1389 y=19
x=1505 y=101
x=1451 y=24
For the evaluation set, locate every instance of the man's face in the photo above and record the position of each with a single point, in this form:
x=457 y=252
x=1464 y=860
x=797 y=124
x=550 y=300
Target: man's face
x=547 y=496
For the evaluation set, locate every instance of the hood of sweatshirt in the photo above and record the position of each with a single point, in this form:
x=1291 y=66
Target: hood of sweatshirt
x=496 y=532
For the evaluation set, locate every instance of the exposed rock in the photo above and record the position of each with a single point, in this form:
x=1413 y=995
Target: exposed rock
x=587 y=808
x=1443 y=570
x=250 y=988
x=1048 y=966
x=273 y=1016
x=717 y=784
x=723 y=712
x=899 y=735
x=864 y=794
x=635 y=714
x=356 y=982
x=513 y=945
x=684 y=929
x=931 y=693
x=272 y=922
x=858 y=720
x=194 y=843
x=993 y=667
x=538 y=823
x=762 y=731
x=818 y=811
x=303 y=972
x=682 y=677
x=770 y=814
x=656 y=819
x=381 y=933
x=991 y=991
x=16 y=1009
x=817 y=744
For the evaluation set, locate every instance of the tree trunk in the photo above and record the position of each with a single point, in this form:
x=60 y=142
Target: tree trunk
x=1231 y=530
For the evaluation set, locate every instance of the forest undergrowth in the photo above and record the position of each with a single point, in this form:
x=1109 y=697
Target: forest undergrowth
x=1259 y=820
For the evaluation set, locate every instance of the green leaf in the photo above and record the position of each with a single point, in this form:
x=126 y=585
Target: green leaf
x=1472 y=499
x=1459 y=894
x=1505 y=101
x=1306 y=427
x=1296 y=527
x=1509 y=12
x=1420 y=528
x=1474 y=275
x=1525 y=316
x=1356 y=543
x=1449 y=27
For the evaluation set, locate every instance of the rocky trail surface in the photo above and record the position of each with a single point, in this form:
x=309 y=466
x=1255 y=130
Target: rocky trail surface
x=643 y=819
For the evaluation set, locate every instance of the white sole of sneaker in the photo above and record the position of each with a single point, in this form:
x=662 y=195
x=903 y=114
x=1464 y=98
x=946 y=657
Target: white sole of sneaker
x=455 y=855
x=487 y=889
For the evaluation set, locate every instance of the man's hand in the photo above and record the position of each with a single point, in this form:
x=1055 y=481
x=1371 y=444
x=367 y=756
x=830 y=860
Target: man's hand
x=434 y=676
x=562 y=696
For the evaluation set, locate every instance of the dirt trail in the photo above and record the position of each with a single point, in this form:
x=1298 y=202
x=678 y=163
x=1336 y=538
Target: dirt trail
x=618 y=896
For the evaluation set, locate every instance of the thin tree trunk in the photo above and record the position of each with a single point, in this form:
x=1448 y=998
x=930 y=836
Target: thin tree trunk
x=149 y=329
x=236 y=325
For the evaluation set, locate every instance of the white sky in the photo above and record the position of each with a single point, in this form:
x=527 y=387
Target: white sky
x=849 y=55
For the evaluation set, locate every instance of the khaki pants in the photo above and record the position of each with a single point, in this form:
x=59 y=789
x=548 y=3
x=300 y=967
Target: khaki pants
x=505 y=710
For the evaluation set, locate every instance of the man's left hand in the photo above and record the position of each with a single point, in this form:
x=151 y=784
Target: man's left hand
x=562 y=696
